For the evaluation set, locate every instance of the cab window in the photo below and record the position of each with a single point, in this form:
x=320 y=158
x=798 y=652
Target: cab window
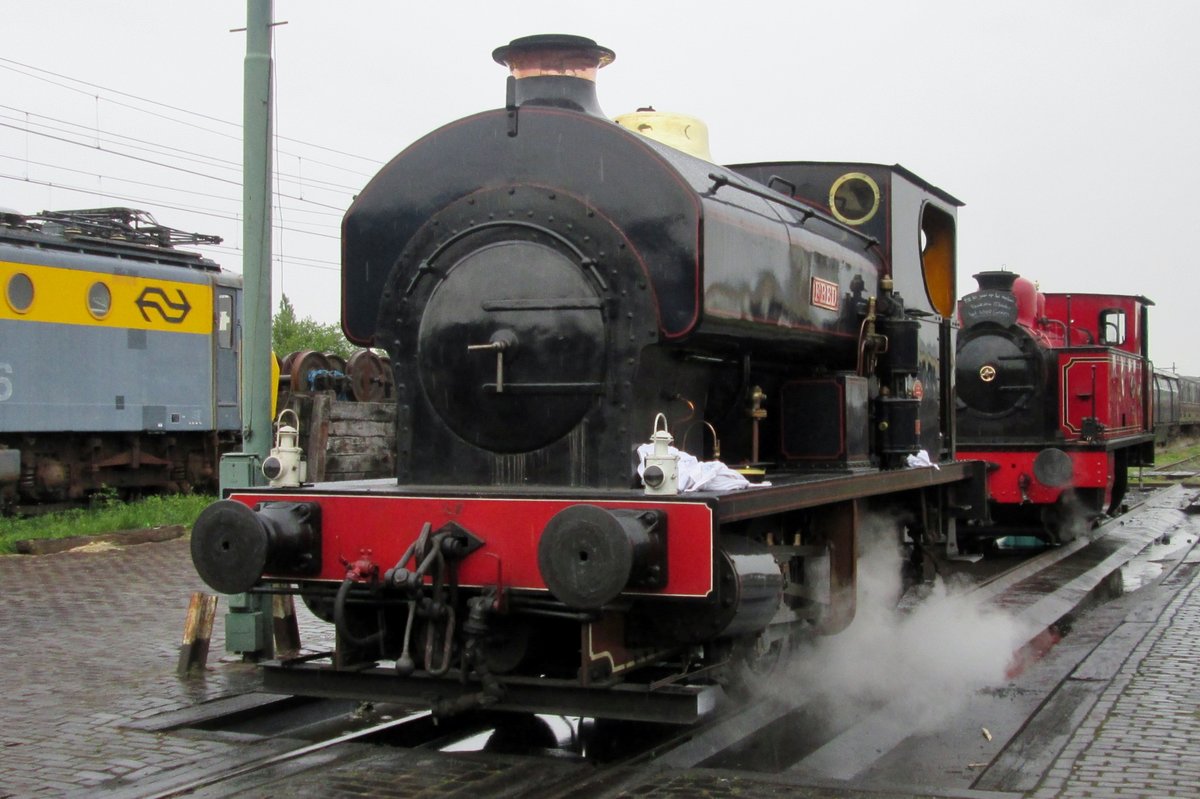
x=1112 y=327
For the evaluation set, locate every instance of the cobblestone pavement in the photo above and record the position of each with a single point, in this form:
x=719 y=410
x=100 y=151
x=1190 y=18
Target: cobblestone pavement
x=90 y=642
x=1142 y=737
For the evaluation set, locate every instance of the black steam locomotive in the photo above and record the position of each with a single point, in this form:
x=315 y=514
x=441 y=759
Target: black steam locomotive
x=553 y=289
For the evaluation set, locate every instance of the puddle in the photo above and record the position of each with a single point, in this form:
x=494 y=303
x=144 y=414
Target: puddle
x=1148 y=565
x=1134 y=575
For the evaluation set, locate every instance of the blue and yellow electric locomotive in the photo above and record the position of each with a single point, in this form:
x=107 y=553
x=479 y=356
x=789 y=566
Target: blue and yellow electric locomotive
x=119 y=367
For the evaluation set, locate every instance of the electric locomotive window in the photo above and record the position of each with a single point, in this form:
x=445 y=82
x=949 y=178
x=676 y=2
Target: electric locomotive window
x=1112 y=327
x=19 y=292
x=99 y=300
x=224 y=321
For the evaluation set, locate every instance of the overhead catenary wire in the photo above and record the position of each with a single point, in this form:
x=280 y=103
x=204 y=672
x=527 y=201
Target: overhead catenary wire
x=10 y=64
x=184 y=170
x=310 y=198
x=122 y=155
x=92 y=173
x=145 y=184
x=297 y=260
x=155 y=203
x=112 y=137
x=118 y=145
x=231 y=166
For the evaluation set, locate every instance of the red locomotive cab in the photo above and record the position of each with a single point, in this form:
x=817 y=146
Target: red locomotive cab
x=1104 y=375
x=1105 y=320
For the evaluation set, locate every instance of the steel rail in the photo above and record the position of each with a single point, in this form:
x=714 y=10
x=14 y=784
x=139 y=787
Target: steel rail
x=283 y=757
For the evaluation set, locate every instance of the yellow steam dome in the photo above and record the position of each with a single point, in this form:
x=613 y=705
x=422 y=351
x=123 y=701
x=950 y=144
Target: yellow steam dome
x=683 y=132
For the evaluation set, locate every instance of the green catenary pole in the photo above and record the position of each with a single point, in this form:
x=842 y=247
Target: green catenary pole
x=248 y=624
x=256 y=199
x=241 y=470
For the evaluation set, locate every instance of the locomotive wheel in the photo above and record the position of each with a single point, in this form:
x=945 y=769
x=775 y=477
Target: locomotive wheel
x=1070 y=517
x=1057 y=524
x=361 y=622
x=319 y=606
x=336 y=362
x=765 y=664
x=370 y=380
x=1120 y=485
x=303 y=363
x=752 y=667
x=507 y=645
x=285 y=366
x=518 y=734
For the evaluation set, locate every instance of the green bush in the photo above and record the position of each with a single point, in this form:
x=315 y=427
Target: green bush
x=289 y=334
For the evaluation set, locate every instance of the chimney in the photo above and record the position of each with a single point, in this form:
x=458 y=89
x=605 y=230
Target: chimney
x=555 y=69
x=996 y=280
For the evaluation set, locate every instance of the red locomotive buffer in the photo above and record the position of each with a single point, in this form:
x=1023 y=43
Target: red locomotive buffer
x=1054 y=392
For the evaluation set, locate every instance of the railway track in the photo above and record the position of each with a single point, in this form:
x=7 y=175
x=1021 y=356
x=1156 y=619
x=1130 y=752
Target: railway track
x=388 y=752
x=262 y=764
x=1179 y=470
x=1174 y=465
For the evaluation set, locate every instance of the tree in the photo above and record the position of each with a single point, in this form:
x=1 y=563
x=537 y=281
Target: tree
x=290 y=334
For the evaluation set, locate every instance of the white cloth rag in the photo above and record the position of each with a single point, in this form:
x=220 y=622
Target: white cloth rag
x=920 y=460
x=696 y=475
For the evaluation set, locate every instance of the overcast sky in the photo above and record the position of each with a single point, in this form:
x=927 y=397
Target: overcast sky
x=1069 y=129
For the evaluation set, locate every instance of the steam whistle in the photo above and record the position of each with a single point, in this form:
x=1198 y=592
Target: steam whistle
x=283 y=467
x=661 y=474
x=756 y=413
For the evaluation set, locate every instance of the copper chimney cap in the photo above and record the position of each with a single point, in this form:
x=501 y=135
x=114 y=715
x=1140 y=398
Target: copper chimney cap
x=553 y=53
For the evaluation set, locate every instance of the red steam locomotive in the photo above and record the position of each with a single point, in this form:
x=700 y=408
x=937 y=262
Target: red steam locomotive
x=1054 y=391
x=548 y=286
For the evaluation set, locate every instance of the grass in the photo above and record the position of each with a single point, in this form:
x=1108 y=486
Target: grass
x=1177 y=450
x=109 y=515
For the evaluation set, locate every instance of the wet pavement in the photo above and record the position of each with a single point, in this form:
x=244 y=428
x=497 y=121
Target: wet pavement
x=91 y=642
x=90 y=645
x=1141 y=735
